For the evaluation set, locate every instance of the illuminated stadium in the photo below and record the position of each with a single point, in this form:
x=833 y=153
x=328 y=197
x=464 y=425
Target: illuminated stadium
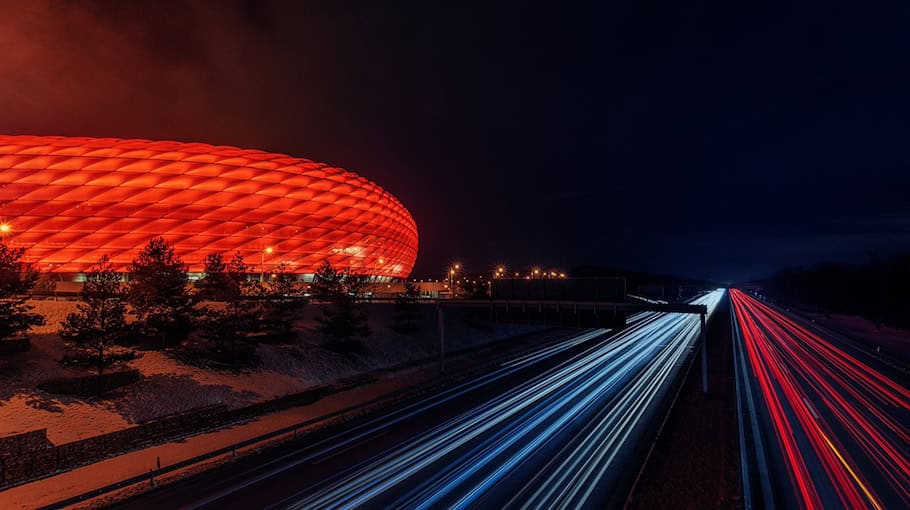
x=68 y=201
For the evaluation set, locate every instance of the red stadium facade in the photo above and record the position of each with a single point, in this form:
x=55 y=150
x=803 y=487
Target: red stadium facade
x=68 y=201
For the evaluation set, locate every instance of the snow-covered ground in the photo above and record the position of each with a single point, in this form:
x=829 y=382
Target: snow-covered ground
x=169 y=386
x=23 y=407
x=54 y=312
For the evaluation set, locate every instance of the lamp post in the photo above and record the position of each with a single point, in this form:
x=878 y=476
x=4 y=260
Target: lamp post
x=455 y=267
x=451 y=283
x=268 y=250
x=499 y=273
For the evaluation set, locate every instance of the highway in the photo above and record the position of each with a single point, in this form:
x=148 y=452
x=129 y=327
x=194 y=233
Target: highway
x=832 y=418
x=561 y=427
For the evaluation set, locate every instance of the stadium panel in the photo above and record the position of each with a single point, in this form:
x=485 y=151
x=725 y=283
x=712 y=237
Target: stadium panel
x=67 y=201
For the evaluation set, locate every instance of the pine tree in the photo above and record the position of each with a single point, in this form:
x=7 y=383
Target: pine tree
x=355 y=285
x=342 y=318
x=216 y=284
x=281 y=300
x=407 y=314
x=158 y=293
x=327 y=283
x=230 y=328
x=16 y=280
x=100 y=319
x=237 y=273
x=473 y=289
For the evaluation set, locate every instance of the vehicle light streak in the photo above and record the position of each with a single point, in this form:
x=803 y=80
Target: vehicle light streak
x=587 y=408
x=331 y=446
x=841 y=425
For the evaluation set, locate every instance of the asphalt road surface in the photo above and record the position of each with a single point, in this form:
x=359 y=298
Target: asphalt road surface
x=835 y=419
x=558 y=427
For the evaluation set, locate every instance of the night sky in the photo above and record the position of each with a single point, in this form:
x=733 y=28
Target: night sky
x=698 y=138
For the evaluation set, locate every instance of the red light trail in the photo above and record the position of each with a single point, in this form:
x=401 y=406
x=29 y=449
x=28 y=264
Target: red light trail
x=841 y=425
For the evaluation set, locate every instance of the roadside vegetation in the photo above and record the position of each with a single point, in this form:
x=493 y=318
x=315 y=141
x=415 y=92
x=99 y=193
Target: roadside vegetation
x=832 y=288
x=218 y=321
x=342 y=318
x=159 y=297
x=99 y=322
x=228 y=337
x=16 y=280
x=408 y=315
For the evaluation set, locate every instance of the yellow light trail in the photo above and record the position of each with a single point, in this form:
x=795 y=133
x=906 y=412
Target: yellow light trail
x=852 y=473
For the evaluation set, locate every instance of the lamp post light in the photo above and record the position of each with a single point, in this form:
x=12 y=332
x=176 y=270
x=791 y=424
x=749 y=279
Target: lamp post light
x=452 y=270
x=268 y=250
x=498 y=273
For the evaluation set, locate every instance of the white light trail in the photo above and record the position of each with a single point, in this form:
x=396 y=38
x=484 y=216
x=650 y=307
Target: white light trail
x=588 y=406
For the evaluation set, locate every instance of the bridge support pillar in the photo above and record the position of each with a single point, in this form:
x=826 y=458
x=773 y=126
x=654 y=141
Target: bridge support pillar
x=442 y=339
x=704 y=355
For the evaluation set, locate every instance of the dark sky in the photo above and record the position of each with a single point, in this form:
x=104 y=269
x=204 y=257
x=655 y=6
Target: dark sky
x=708 y=139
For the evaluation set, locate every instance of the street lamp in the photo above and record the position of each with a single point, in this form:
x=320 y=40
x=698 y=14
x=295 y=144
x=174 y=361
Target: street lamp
x=452 y=283
x=268 y=250
x=499 y=273
x=452 y=270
